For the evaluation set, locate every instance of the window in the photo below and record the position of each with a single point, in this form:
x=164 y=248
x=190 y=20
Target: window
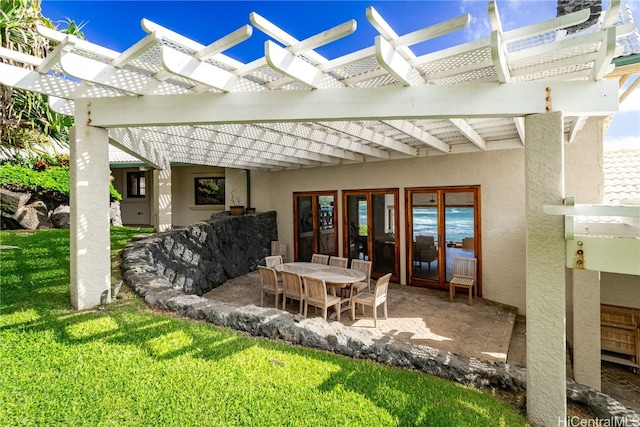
x=136 y=184
x=209 y=191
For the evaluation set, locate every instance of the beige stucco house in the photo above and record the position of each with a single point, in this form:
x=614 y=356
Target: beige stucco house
x=477 y=146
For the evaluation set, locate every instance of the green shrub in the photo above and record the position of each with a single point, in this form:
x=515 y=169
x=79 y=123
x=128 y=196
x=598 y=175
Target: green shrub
x=35 y=176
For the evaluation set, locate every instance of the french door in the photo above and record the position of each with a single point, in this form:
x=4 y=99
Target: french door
x=442 y=223
x=314 y=227
x=371 y=229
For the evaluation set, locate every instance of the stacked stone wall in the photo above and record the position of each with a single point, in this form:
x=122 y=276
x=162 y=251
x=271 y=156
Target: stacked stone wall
x=204 y=255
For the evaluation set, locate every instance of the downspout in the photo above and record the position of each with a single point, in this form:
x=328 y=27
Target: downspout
x=248 y=174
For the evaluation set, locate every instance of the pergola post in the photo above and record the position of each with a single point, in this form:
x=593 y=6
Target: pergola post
x=545 y=270
x=586 y=330
x=89 y=229
x=162 y=198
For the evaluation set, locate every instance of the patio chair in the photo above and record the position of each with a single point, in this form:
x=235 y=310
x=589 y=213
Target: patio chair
x=279 y=248
x=378 y=297
x=273 y=260
x=365 y=267
x=464 y=276
x=337 y=261
x=269 y=283
x=320 y=259
x=292 y=288
x=424 y=250
x=316 y=295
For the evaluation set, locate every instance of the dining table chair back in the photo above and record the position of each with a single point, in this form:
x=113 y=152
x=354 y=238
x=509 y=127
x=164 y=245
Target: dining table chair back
x=377 y=298
x=269 y=284
x=464 y=276
x=273 y=260
x=337 y=261
x=316 y=295
x=292 y=288
x=279 y=248
x=320 y=259
x=365 y=267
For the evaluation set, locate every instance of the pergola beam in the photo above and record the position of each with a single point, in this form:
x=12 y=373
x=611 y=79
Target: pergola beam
x=382 y=103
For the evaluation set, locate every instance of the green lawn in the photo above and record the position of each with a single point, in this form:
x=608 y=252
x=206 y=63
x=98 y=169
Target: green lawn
x=126 y=365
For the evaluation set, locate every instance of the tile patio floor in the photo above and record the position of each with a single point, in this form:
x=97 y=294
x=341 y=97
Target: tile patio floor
x=486 y=330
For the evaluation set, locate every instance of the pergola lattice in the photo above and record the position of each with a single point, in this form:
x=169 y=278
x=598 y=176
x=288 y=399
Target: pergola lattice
x=164 y=63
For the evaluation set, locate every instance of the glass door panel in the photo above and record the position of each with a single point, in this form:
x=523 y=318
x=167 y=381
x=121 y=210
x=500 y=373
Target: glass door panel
x=444 y=224
x=325 y=226
x=383 y=233
x=424 y=208
x=315 y=224
x=304 y=235
x=371 y=229
x=459 y=226
x=358 y=227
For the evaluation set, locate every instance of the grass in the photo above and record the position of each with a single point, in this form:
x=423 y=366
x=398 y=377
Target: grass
x=126 y=365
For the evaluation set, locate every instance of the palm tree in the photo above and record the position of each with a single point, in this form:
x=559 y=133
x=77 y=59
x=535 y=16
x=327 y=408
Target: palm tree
x=27 y=123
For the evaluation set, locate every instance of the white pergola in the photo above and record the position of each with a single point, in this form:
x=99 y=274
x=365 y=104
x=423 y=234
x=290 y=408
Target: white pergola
x=170 y=99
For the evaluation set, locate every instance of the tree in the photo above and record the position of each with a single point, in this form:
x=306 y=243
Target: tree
x=27 y=123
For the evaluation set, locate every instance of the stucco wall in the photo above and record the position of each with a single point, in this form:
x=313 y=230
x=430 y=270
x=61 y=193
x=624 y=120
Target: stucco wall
x=499 y=173
x=133 y=210
x=185 y=211
x=620 y=289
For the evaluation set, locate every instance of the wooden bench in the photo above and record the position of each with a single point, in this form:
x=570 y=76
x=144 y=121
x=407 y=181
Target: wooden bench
x=620 y=335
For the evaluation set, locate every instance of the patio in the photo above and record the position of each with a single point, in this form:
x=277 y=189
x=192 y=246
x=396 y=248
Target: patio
x=416 y=315
x=485 y=330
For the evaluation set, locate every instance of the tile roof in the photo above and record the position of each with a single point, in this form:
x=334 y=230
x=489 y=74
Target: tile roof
x=631 y=42
x=622 y=176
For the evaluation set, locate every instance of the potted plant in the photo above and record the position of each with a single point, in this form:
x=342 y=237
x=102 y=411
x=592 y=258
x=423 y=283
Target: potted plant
x=235 y=208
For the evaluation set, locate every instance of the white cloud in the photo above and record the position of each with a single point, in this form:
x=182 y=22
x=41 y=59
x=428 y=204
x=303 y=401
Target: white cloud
x=632 y=102
x=619 y=142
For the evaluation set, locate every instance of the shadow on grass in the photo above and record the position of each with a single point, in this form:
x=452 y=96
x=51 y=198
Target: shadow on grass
x=43 y=308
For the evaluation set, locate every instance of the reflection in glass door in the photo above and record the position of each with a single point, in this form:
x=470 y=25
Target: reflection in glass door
x=443 y=224
x=424 y=208
x=314 y=228
x=371 y=229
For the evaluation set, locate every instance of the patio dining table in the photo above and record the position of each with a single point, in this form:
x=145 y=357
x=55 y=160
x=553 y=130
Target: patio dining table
x=334 y=277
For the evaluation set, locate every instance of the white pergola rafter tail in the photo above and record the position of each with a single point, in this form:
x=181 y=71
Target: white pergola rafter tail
x=59 y=36
x=106 y=75
x=395 y=64
x=185 y=65
x=384 y=103
x=185 y=42
x=282 y=36
x=33 y=81
x=238 y=36
x=290 y=65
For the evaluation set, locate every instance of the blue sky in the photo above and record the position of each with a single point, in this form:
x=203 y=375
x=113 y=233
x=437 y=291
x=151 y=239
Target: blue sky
x=116 y=25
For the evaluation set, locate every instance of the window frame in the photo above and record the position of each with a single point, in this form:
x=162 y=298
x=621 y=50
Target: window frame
x=198 y=198
x=134 y=189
